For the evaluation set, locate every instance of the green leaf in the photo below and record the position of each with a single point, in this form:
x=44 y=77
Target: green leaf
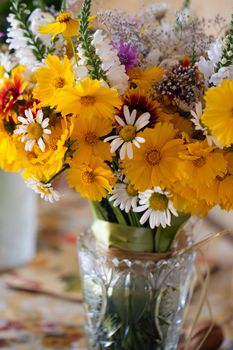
x=165 y=236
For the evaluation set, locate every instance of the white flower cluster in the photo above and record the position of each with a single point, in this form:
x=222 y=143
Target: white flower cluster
x=114 y=70
x=111 y=65
x=208 y=66
x=80 y=70
x=39 y=18
x=8 y=62
x=18 y=41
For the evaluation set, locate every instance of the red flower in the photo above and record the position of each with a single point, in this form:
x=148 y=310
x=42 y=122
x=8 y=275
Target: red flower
x=11 y=91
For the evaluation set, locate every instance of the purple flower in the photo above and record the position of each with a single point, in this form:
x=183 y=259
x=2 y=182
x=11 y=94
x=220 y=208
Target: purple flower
x=128 y=53
x=2 y=34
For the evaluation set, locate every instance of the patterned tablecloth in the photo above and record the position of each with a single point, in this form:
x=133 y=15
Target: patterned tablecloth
x=50 y=315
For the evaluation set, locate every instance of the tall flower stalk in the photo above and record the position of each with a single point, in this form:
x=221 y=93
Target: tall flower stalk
x=93 y=61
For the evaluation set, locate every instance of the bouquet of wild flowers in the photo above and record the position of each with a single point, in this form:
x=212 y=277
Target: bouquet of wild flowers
x=137 y=111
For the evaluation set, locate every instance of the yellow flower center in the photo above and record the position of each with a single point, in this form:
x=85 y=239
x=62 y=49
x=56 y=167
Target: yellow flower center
x=135 y=73
x=128 y=133
x=87 y=100
x=63 y=17
x=200 y=162
x=90 y=138
x=153 y=157
x=53 y=142
x=58 y=82
x=158 y=201
x=44 y=190
x=35 y=131
x=131 y=190
x=88 y=177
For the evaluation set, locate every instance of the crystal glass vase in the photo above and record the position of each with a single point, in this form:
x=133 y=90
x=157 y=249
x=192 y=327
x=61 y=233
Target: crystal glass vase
x=132 y=304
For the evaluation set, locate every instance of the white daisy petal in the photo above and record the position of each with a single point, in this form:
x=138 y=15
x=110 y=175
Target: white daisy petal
x=29 y=145
x=41 y=144
x=123 y=151
x=110 y=138
x=29 y=115
x=116 y=144
x=44 y=123
x=140 y=139
x=39 y=117
x=133 y=117
x=19 y=131
x=142 y=125
x=127 y=114
x=141 y=208
x=136 y=143
x=129 y=150
x=119 y=121
x=23 y=120
x=47 y=131
x=145 y=216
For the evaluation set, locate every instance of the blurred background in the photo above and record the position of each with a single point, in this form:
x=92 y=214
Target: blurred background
x=27 y=314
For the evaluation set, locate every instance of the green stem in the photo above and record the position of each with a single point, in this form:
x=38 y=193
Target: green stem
x=66 y=166
x=63 y=6
x=98 y=211
x=21 y=12
x=93 y=61
x=118 y=214
x=186 y=4
x=227 y=56
x=133 y=219
x=73 y=50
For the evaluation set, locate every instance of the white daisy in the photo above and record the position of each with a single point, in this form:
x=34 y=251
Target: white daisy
x=125 y=196
x=34 y=130
x=46 y=191
x=158 y=207
x=198 y=126
x=127 y=136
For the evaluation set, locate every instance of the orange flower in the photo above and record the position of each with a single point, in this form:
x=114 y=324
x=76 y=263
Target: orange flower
x=11 y=91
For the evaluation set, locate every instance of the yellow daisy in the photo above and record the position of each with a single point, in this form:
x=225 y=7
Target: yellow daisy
x=190 y=205
x=10 y=155
x=201 y=165
x=218 y=115
x=51 y=79
x=64 y=24
x=183 y=125
x=157 y=161
x=87 y=135
x=145 y=78
x=92 y=179
x=89 y=99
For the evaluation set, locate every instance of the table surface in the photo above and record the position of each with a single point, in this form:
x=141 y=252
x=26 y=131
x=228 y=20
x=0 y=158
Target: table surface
x=51 y=317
